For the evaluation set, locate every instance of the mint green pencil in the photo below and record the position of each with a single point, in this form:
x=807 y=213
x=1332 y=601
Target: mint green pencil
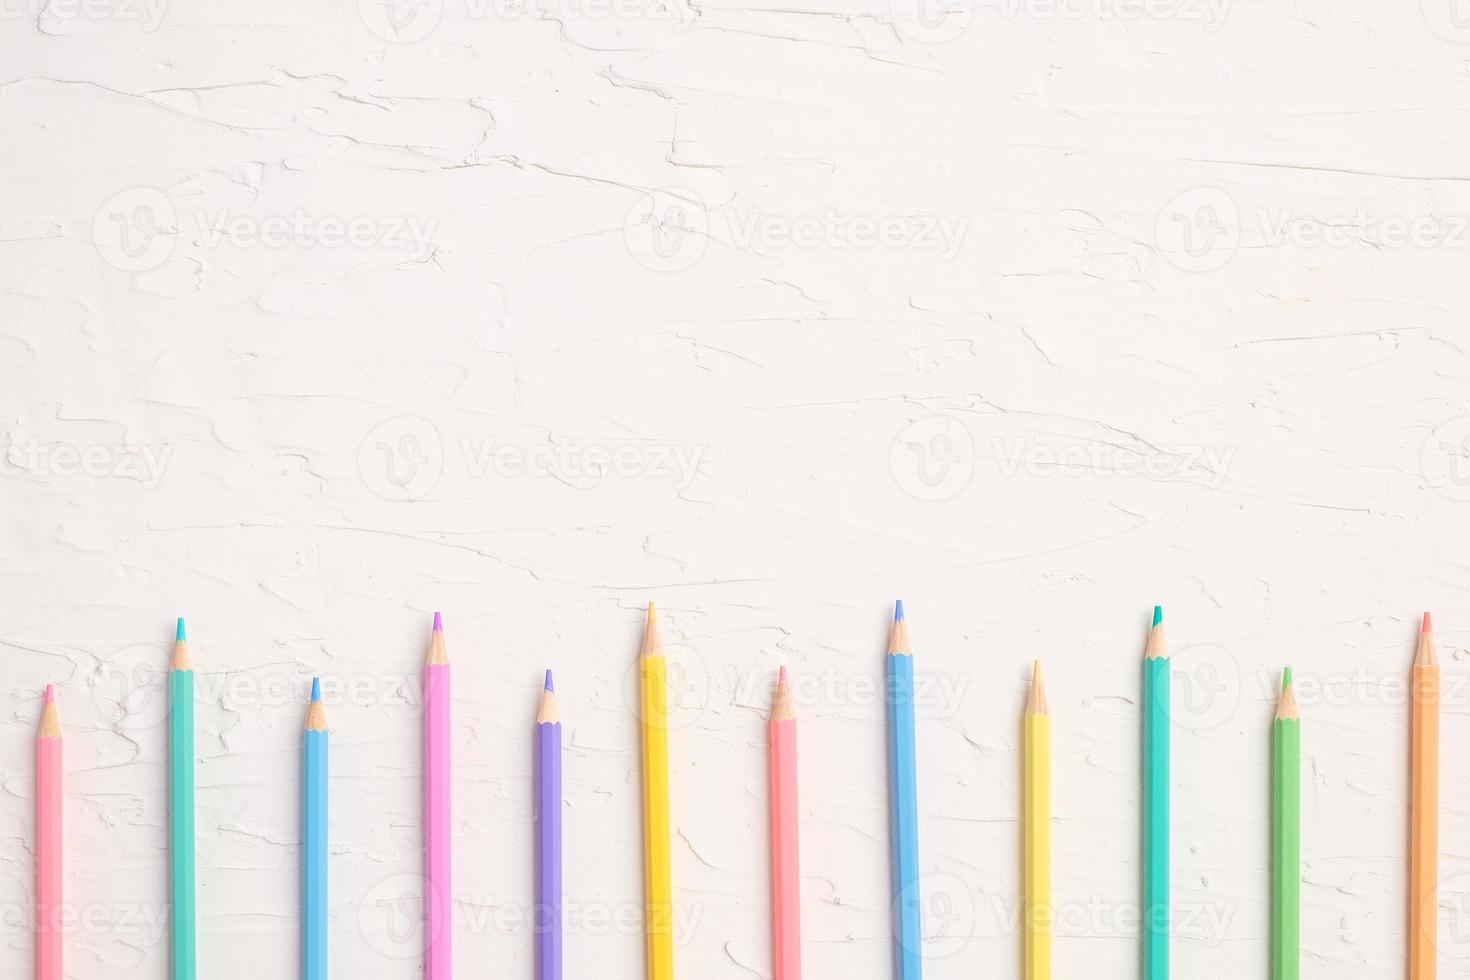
x=181 y=799
x=1155 y=925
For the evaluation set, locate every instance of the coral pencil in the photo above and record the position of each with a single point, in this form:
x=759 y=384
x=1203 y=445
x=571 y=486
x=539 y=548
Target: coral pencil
x=48 y=842
x=657 y=865
x=439 y=925
x=314 y=839
x=1038 y=908
x=1155 y=926
x=1286 y=850
x=908 y=940
x=181 y=800
x=548 y=836
x=785 y=860
x=1424 y=808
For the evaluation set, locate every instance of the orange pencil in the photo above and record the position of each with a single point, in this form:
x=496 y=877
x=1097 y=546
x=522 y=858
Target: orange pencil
x=1424 y=807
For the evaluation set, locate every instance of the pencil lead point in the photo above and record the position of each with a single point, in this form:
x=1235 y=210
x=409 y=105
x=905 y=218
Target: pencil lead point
x=781 y=679
x=1158 y=615
x=179 y=635
x=438 y=623
x=50 y=693
x=898 y=610
x=1286 y=679
x=1428 y=626
x=316 y=688
x=550 y=685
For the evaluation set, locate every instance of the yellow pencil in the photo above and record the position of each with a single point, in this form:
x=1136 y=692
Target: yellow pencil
x=658 y=883
x=1038 y=831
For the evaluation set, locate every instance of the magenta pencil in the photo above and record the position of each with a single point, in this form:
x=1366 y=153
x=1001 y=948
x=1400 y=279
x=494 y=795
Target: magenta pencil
x=48 y=842
x=439 y=926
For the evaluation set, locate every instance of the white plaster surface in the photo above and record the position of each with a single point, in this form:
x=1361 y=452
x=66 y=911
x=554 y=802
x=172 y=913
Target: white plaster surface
x=317 y=317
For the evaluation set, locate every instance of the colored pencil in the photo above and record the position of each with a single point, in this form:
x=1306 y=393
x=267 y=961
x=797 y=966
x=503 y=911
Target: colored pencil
x=1286 y=848
x=548 y=835
x=439 y=925
x=785 y=839
x=48 y=841
x=181 y=798
x=657 y=871
x=1424 y=808
x=1038 y=830
x=1155 y=926
x=314 y=838
x=908 y=940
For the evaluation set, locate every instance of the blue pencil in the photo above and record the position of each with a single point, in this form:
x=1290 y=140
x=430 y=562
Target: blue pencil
x=904 y=800
x=314 y=836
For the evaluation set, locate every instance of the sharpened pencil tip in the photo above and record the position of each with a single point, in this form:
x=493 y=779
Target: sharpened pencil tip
x=438 y=623
x=550 y=684
x=781 y=678
x=179 y=634
x=316 y=688
x=50 y=693
x=1428 y=626
x=1158 y=615
x=1286 y=679
x=898 y=610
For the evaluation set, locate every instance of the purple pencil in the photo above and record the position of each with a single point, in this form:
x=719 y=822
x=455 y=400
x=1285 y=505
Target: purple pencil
x=548 y=836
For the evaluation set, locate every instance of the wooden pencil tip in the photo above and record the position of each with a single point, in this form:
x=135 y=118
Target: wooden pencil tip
x=898 y=636
x=550 y=712
x=1036 y=703
x=1286 y=706
x=438 y=652
x=50 y=717
x=781 y=705
x=652 y=642
x=181 y=658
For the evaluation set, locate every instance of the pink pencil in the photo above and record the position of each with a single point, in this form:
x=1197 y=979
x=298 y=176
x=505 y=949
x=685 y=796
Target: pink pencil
x=785 y=864
x=439 y=927
x=48 y=842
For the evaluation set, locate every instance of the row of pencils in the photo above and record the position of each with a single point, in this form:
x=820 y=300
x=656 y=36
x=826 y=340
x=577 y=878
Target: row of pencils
x=785 y=863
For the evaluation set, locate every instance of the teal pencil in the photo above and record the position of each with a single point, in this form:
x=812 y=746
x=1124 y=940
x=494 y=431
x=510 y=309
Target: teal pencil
x=181 y=799
x=1155 y=925
x=314 y=840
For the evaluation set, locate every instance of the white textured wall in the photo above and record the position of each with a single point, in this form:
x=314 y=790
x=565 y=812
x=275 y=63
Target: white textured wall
x=1033 y=314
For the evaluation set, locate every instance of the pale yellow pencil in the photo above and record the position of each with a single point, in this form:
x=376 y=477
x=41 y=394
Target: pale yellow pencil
x=1038 y=831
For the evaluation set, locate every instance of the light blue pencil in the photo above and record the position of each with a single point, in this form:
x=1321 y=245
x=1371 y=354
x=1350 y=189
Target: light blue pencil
x=314 y=837
x=908 y=940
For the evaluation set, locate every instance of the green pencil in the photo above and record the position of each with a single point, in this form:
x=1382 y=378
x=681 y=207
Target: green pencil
x=1155 y=925
x=181 y=799
x=1286 y=845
